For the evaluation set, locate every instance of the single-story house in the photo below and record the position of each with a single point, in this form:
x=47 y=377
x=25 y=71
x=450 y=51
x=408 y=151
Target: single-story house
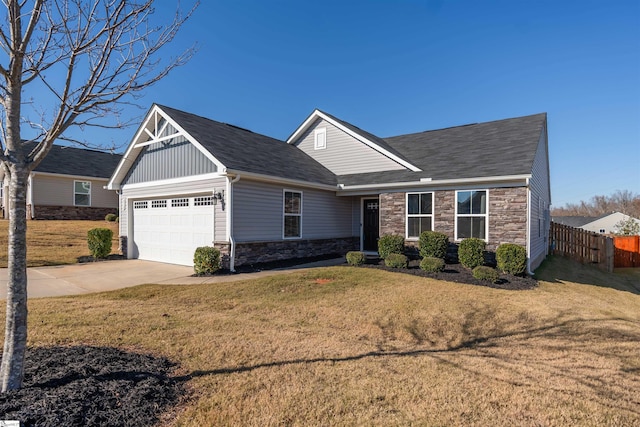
x=68 y=184
x=188 y=181
x=603 y=224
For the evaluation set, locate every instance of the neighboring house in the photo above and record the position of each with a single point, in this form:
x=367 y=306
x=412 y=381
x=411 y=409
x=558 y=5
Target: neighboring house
x=603 y=224
x=69 y=184
x=187 y=181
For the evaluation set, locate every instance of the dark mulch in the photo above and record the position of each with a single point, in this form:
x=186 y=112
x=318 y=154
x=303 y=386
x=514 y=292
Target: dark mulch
x=89 y=258
x=91 y=386
x=272 y=265
x=459 y=274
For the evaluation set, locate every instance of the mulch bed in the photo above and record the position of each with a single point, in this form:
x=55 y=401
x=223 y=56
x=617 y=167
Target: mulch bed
x=89 y=258
x=92 y=386
x=459 y=274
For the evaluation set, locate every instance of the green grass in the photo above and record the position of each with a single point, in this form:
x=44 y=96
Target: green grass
x=352 y=346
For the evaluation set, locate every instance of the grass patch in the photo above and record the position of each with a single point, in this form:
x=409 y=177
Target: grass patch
x=353 y=346
x=55 y=242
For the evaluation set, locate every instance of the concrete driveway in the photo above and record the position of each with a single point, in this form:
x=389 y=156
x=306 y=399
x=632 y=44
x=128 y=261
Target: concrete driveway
x=77 y=279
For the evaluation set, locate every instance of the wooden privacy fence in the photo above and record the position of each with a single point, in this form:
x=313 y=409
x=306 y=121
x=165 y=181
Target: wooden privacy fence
x=583 y=246
x=627 y=251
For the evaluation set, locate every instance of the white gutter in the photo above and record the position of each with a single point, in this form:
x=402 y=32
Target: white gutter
x=232 y=254
x=429 y=182
x=64 y=175
x=288 y=181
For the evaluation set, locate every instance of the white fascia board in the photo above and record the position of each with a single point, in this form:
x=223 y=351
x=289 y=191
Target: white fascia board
x=458 y=183
x=180 y=180
x=135 y=147
x=64 y=175
x=277 y=180
x=318 y=114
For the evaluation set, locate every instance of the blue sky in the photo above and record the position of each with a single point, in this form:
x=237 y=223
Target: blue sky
x=395 y=67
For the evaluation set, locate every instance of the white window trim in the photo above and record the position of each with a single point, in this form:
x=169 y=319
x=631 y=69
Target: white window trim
x=74 y=193
x=486 y=214
x=406 y=213
x=317 y=132
x=284 y=215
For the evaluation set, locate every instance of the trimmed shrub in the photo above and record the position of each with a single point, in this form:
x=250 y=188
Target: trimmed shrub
x=110 y=217
x=118 y=219
x=355 y=258
x=99 y=241
x=432 y=264
x=433 y=244
x=206 y=260
x=512 y=259
x=486 y=273
x=390 y=244
x=471 y=252
x=395 y=260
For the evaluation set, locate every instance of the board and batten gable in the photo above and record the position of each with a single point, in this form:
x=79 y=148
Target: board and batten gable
x=343 y=154
x=52 y=190
x=258 y=212
x=540 y=201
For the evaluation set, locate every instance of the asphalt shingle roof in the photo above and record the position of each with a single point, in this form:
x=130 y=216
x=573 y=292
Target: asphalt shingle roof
x=78 y=161
x=243 y=150
x=497 y=148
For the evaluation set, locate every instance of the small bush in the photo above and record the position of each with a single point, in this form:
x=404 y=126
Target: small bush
x=118 y=219
x=99 y=241
x=390 y=244
x=206 y=260
x=355 y=258
x=110 y=217
x=512 y=259
x=486 y=273
x=432 y=264
x=471 y=252
x=433 y=244
x=395 y=260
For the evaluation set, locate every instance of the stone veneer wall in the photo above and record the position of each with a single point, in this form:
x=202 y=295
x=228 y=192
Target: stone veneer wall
x=70 y=212
x=255 y=252
x=507 y=215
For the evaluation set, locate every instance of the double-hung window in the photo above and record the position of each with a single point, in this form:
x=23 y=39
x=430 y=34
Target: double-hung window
x=419 y=214
x=82 y=193
x=292 y=212
x=471 y=214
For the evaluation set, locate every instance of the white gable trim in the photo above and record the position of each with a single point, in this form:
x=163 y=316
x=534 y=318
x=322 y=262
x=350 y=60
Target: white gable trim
x=319 y=114
x=136 y=146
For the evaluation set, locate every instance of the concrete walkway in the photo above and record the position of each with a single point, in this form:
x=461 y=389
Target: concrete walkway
x=77 y=279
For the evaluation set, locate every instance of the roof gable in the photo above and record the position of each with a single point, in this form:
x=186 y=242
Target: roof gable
x=362 y=136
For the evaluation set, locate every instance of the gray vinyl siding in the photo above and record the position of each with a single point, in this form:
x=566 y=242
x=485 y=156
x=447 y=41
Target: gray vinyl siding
x=51 y=190
x=165 y=160
x=176 y=190
x=258 y=213
x=539 y=202
x=344 y=154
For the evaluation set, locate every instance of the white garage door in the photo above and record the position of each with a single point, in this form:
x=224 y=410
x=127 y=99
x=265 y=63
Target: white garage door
x=169 y=230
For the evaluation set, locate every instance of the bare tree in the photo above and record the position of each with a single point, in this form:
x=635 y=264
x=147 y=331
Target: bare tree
x=81 y=61
x=623 y=201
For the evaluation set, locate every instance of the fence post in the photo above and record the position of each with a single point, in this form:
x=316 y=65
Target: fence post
x=610 y=254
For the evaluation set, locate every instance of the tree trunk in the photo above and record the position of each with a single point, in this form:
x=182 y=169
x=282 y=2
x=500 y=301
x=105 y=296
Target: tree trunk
x=15 y=339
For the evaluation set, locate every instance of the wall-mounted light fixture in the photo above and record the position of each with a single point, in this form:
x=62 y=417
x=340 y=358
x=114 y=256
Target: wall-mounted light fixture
x=218 y=195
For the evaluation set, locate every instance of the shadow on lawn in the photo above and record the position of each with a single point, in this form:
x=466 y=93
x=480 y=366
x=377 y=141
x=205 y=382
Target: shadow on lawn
x=557 y=269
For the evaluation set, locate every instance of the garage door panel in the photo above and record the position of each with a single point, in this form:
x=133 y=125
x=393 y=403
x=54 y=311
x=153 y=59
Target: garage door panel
x=172 y=233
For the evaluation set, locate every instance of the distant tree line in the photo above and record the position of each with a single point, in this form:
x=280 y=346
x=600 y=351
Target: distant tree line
x=623 y=201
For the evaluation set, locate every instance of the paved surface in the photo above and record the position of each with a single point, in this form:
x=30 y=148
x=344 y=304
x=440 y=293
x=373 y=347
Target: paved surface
x=102 y=276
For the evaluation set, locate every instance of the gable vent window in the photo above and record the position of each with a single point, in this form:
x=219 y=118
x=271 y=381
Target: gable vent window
x=82 y=193
x=158 y=203
x=178 y=203
x=140 y=205
x=320 y=136
x=203 y=201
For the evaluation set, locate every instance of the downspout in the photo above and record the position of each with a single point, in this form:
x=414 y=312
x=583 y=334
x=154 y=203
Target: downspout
x=232 y=242
x=30 y=196
x=528 y=240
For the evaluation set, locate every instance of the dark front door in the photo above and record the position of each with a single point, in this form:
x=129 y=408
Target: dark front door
x=370 y=225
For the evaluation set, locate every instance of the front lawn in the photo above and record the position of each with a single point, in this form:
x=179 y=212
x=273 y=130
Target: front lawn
x=354 y=346
x=55 y=242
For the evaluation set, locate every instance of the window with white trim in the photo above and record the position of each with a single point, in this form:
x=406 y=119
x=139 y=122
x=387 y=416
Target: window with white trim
x=82 y=193
x=292 y=214
x=472 y=214
x=419 y=214
x=320 y=138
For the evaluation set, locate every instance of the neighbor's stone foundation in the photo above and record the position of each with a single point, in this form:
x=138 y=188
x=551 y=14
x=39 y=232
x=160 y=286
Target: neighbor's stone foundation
x=255 y=252
x=69 y=212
